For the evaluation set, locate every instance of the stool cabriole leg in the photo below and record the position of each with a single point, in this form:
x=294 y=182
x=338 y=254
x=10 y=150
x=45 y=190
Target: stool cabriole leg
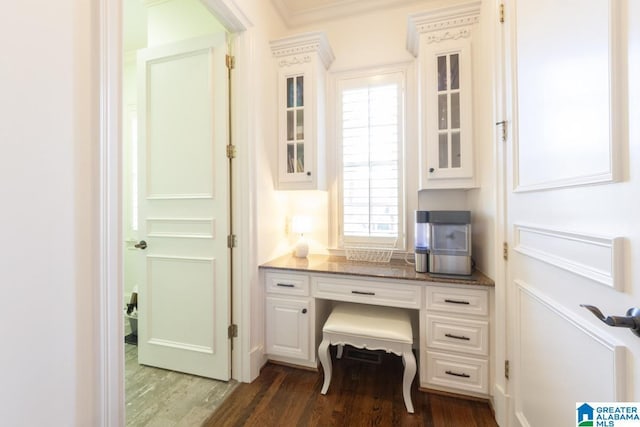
x=409 y=362
x=325 y=361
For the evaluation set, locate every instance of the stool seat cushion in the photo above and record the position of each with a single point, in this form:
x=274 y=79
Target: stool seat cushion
x=383 y=323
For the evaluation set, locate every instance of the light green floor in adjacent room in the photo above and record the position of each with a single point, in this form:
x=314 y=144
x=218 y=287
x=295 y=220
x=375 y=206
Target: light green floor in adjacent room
x=160 y=398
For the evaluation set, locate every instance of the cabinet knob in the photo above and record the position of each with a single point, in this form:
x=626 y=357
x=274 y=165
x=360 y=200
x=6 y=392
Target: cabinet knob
x=308 y=173
x=304 y=311
x=432 y=170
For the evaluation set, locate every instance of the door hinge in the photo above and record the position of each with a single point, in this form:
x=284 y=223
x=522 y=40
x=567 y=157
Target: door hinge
x=503 y=124
x=231 y=62
x=506 y=369
x=232 y=241
x=505 y=251
x=501 y=13
x=231 y=151
x=232 y=331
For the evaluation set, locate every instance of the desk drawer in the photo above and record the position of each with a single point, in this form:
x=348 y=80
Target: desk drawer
x=464 y=373
x=367 y=292
x=455 y=334
x=457 y=300
x=287 y=284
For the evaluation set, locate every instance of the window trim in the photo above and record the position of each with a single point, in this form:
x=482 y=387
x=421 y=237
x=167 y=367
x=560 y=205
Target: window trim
x=340 y=80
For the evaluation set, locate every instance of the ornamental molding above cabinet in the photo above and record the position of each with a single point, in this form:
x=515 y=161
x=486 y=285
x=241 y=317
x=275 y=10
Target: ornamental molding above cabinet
x=298 y=45
x=442 y=24
x=441 y=40
x=302 y=61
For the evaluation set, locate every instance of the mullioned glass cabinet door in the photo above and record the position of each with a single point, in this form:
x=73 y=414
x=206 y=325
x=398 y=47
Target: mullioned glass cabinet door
x=447 y=159
x=295 y=124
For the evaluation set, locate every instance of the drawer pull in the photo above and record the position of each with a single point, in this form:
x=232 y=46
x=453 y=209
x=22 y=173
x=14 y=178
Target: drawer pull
x=455 y=374
x=457 y=337
x=363 y=293
x=285 y=285
x=454 y=301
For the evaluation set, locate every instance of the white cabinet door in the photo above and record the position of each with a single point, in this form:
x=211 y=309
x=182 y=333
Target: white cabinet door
x=287 y=327
x=442 y=39
x=183 y=202
x=447 y=155
x=302 y=61
x=296 y=123
x=567 y=215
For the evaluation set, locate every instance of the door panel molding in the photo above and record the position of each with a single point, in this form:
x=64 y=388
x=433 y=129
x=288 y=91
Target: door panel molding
x=168 y=292
x=595 y=257
x=195 y=228
x=588 y=125
x=181 y=345
x=194 y=196
x=545 y=324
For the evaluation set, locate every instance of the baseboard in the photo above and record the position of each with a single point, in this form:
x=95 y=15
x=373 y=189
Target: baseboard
x=257 y=360
x=293 y=365
x=500 y=402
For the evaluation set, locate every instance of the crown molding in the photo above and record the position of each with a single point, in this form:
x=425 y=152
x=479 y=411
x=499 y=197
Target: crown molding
x=301 y=44
x=331 y=10
x=445 y=23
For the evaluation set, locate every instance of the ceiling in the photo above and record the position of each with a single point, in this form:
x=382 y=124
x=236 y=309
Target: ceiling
x=296 y=13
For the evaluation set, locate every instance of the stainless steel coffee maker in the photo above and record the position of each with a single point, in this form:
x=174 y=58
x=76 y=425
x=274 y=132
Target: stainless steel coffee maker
x=450 y=242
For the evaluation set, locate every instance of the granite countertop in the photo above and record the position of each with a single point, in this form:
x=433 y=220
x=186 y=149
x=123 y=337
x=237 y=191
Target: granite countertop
x=396 y=269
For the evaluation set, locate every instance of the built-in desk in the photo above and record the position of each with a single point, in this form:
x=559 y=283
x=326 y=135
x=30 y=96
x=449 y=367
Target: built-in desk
x=451 y=315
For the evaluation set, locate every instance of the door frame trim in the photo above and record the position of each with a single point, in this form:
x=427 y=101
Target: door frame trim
x=109 y=346
x=502 y=402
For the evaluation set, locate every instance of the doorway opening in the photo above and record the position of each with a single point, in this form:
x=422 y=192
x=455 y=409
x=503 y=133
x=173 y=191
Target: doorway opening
x=174 y=212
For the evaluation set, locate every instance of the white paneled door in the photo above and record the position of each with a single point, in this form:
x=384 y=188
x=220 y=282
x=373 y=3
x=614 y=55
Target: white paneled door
x=183 y=207
x=572 y=210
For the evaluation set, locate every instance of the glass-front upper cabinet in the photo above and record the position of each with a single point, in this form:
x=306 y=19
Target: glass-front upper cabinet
x=441 y=39
x=302 y=63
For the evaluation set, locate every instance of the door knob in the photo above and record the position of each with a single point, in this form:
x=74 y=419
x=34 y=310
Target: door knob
x=142 y=245
x=631 y=320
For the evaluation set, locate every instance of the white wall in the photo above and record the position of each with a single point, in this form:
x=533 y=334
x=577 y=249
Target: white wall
x=482 y=201
x=48 y=218
x=266 y=205
x=129 y=108
x=175 y=20
x=270 y=204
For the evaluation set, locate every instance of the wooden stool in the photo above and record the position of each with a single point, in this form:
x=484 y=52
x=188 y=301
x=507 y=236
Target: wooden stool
x=373 y=328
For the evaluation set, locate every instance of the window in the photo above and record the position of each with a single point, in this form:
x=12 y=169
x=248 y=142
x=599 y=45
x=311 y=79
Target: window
x=370 y=130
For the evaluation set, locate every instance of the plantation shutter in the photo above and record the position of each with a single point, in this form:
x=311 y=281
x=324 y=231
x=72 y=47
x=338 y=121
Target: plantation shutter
x=371 y=140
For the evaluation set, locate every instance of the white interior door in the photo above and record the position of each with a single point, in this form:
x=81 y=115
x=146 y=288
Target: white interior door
x=183 y=207
x=572 y=207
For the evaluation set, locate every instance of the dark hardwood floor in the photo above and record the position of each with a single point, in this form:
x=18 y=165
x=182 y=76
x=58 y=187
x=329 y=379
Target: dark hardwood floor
x=361 y=394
